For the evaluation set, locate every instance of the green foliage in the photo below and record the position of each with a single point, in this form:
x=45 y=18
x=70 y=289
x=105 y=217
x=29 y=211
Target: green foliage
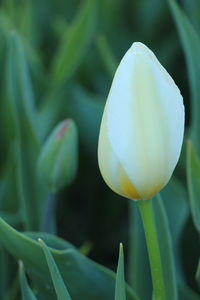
x=166 y=250
x=193 y=181
x=198 y=273
x=57 y=61
x=74 y=43
x=191 y=46
x=106 y=55
x=60 y=288
x=120 y=292
x=175 y=200
x=69 y=261
x=27 y=293
x=24 y=119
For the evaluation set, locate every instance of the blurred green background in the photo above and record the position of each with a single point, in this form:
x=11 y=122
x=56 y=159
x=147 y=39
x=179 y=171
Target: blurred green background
x=57 y=61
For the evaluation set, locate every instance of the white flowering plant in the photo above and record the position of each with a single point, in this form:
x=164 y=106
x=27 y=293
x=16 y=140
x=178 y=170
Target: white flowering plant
x=100 y=150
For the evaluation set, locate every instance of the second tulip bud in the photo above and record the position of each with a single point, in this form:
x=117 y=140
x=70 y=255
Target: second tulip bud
x=57 y=163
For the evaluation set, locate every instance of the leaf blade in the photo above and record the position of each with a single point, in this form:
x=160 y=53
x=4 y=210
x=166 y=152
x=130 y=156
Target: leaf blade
x=191 y=46
x=69 y=260
x=165 y=244
x=26 y=141
x=193 y=183
x=60 y=288
x=27 y=293
x=120 y=293
x=75 y=44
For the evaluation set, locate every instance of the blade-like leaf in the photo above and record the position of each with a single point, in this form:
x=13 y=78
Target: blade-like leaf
x=82 y=107
x=187 y=293
x=27 y=293
x=175 y=200
x=75 y=43
x=26 y=143
x=166 y=250
x=107 y=56
x=60 y=288
x=193 y=182
x=198 y=273
x=192 y=9
x=120 y=290
x=191 y=46
x=176 y=204
x=71 y=51
x=4 y=272
x=73 y=266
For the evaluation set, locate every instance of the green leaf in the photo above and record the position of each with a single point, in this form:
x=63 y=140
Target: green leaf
x=86 y=109
x=187 y=293
x=9 y=189
x=198 y=273
x=71 y=51
x=60 y=288
x=191 y=46
x=120 y=290
x=175 y=200
x=193 y=182
x=13 y=219
x=78 y=272
x=166 y=249
x=107 y=56
x=26 y=143
x=25 y=17
x=192 y=10
x=21 y=89
x=75 y=43
x=27 y=293
x=4 y=273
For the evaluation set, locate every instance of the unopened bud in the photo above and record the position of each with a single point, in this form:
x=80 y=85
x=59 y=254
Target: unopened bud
x=57 y=162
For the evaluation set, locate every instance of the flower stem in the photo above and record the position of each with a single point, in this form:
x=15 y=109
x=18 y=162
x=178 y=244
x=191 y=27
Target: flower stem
x=48 y=218
x=148 y=220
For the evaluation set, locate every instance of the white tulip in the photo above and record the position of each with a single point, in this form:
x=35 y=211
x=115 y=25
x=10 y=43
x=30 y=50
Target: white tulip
x=142 y=127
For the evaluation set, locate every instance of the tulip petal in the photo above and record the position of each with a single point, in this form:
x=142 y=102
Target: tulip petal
x=112 y=170
x=144 y=122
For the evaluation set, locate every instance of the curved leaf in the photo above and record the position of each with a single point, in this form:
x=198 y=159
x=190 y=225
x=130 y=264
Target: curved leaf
x=175 y=200
x=75 y=43
x=27 y=293
x=107 y=56
x=78 y=272
x=198 y=273
x=191 y=46
x=120 y=291
x=60 y=288
x=193 y=182
x=23 y=114
x=166 y=249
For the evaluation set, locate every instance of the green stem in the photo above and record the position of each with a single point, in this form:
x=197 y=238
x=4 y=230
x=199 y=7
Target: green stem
x=48 y=218
x=147 y=214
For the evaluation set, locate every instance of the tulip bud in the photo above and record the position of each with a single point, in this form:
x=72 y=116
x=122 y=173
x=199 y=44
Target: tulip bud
x=142 y=127
x=57 y=162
